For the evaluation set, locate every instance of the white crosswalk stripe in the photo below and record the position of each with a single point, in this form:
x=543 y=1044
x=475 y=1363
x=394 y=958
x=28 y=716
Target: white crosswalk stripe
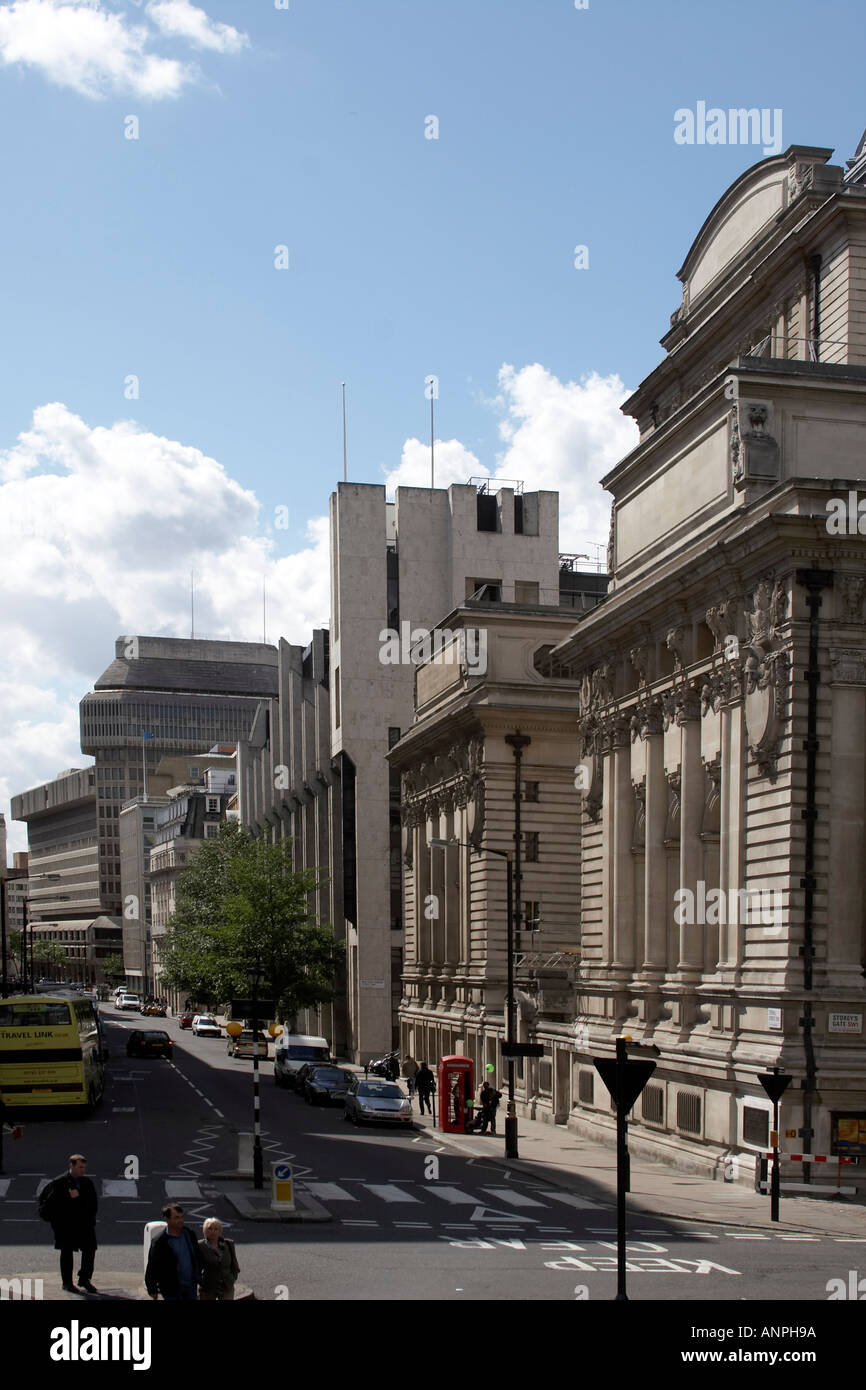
x=389 y=1192
x=572 y=1200
x=512 y=1198
x=451 y=1194
x=328 y=1192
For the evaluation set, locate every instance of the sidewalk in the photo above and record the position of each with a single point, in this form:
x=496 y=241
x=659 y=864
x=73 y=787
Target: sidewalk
x=567 y=1160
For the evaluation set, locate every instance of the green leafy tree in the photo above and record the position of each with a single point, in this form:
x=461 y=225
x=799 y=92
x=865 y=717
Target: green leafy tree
x=240 y=902
x=112 y=966
x=49 y=954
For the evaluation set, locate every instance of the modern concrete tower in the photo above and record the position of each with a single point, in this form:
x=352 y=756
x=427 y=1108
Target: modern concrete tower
x=397 y=570
x=163 y=695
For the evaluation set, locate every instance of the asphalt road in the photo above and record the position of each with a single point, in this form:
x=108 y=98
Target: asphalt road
x=413 y=1217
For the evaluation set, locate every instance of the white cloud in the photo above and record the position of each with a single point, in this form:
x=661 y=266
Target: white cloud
x=564 y=437
x=180 y=19
x=558 y=436
x=99 y=52
x=453 y=462
x=99 y=528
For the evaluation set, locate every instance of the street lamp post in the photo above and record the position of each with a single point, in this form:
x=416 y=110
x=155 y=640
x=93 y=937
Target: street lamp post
x=254 y=974
x=511 y=1117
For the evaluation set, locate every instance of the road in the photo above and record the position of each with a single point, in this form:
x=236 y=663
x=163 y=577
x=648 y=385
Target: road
x=414 y=1218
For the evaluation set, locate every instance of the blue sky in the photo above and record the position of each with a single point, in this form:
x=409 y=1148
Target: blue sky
x=407 y=256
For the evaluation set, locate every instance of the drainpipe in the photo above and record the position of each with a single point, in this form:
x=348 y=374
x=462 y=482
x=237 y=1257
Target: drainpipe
x=813 y=581
x=815 y=263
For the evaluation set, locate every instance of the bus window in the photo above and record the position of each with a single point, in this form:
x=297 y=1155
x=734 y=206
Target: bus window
x=34 y=1014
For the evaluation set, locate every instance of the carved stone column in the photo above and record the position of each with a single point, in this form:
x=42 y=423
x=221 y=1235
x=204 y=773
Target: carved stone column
x=622 y=865
x=692 y=797
x=657 y=909
x=847 y=811
x=731 y=821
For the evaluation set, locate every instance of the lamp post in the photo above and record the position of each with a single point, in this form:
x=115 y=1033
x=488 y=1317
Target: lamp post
x=254 y=975
x=511 y=1117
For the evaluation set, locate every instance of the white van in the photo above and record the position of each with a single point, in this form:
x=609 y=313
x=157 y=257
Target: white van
x=292 y=1051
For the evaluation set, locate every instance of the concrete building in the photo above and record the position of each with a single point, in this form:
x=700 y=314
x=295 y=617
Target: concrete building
x=722 y=688
x=187 y=816
x=138 y=824
x=86 y=942
x=460 y=784
x=61 y=825
x=163 y=695
x=397 y=569
x=287 y=788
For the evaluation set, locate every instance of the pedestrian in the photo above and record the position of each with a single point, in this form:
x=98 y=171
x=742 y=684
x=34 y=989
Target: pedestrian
x=489 y=1099
x=69 y=1203
x=219 y=1263
x=425 y=1086
x=174 y=1264
x=410 y=1071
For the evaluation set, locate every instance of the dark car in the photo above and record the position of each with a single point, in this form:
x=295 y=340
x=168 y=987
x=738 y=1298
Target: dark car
x=154 y=1044
x=325 y=1085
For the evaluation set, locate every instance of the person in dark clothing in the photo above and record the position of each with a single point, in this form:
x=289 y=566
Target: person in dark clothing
x=220 y=1266
x=174 y=1264
x=69 y=1203
x=489 y=1099
x=425 y=1085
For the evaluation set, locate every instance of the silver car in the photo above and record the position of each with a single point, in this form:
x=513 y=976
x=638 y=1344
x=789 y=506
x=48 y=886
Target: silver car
x=374 y=1100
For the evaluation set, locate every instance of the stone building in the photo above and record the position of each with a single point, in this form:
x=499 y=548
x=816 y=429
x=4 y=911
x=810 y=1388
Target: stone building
x=722 y=686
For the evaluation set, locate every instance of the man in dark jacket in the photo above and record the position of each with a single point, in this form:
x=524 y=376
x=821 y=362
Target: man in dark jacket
x=489 y=1099
x=425 y=1085
x=69 y=1203
x=174 y=1263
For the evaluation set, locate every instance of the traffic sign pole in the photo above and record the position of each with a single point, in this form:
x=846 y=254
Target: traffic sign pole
x=775 y=1083
x=624 y=1078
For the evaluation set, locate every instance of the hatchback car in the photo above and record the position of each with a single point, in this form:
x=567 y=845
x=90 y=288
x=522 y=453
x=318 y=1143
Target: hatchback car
x=380 y=1101
x=185 y=1019
x=154 y=1044
x=204 y=1026
x=129 y=1003
x=242 y=1045
x=325 y=1086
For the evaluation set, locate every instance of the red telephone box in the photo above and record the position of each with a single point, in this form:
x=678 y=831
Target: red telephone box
x=456 y=1086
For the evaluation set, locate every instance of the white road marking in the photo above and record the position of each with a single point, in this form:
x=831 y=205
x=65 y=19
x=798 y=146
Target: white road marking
x=119 y=1187
x=182 y=1188
x=451 y=1194
x=571 y=1199
x=512 y=1198
x=329 y=1192
x=389 y=1193
x=5 y=1184
x=733 y=1237
x=344 y=1222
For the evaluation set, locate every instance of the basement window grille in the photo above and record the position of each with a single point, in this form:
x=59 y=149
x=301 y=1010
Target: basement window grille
x=653 y=1105
x=689 y=1112
x=756 y=1126
x=586 y=1087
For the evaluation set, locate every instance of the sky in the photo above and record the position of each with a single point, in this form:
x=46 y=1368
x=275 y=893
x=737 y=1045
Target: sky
x=217 y=213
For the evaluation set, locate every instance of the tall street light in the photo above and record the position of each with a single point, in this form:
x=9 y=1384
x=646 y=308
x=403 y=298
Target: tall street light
x=511 y=1117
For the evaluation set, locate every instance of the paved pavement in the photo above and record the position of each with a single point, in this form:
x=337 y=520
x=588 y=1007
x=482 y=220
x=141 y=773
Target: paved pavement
x=575 y=1164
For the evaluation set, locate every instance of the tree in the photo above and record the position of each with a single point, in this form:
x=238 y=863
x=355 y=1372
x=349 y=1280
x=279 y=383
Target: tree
x=239 y=902
x=48 y=954
x=112 y=966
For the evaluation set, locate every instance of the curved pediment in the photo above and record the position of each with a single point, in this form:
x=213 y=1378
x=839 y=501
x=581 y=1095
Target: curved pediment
x=746 y=213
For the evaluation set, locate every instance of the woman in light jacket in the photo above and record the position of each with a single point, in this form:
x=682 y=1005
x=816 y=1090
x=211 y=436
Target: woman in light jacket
x=219 y=1263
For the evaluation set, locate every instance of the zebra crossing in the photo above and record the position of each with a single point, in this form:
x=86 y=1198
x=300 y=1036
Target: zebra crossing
x=123 y=1201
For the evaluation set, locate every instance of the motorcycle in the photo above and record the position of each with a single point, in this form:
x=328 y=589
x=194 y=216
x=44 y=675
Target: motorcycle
x=387 y=1066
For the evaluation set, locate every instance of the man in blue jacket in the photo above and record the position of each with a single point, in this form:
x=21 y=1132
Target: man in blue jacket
x=174 y=1262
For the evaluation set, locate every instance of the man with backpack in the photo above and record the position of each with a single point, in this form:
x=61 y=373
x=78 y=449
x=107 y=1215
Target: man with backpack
x=69 y=1204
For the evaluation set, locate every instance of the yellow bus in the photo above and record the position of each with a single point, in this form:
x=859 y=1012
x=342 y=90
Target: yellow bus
x=51 y=1051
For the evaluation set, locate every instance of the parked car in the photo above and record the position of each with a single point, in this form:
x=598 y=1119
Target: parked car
x=185 y=1019
x=325 y=1085
x=292 y=1051
x=153 y=1044
x=129 y=1003
x=242 y=1045
x=383 y=1101
x=204 y=1026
